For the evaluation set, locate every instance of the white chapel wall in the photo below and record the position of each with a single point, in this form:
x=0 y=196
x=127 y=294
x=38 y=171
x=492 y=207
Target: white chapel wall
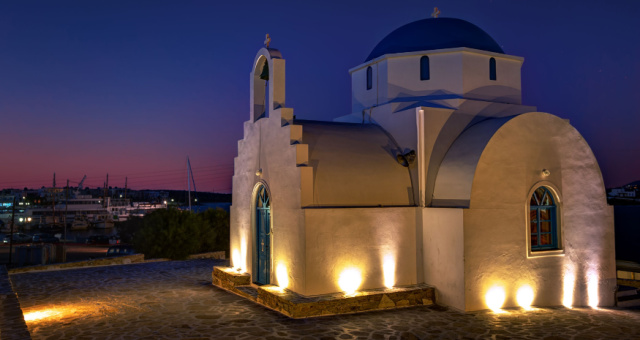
x=495 y=225
x=283 y=178
x=360 y=238
x=507 y=88
x=443 y=254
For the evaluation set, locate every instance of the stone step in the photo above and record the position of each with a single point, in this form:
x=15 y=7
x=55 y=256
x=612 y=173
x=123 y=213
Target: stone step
x=250 y=292
x=297 y=306
x=626 y=291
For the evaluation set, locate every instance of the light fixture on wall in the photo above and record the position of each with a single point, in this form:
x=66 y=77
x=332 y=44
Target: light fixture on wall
x=546 y=173
x=406 y=159
x=259 y=172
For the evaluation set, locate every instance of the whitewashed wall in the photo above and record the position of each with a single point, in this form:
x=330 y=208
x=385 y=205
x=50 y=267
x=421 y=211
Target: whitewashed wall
x=495 y=226
x=443 y=251
x=337 y=239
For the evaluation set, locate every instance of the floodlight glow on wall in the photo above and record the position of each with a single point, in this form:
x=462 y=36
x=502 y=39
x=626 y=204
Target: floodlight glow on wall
x=592 y=288
x=495 y=298
x=389 y=271
x=235 y=259
x=568 y=287
x=525 y=297
x=239 y=256
x=283 y=276
x=349 y=281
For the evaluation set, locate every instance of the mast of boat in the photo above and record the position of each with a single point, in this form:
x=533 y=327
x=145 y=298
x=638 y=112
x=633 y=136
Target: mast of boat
x=125 y=189
x=53 y=200
x=189 y=182
x=66 y=208
x=106 y=187
x=13 y=224
x=66 y=213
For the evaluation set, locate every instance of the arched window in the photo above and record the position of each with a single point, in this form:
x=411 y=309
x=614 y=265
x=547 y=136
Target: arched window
x=543 y=220
x=492 y=69
x=424 y=68
x=369 y=78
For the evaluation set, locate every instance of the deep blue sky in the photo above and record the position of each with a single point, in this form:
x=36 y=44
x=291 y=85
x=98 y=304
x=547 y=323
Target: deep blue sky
x=131 y=88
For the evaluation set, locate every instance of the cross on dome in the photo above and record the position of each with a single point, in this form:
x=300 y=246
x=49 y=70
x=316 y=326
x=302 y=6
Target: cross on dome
x=267 y=40
x=436 y=12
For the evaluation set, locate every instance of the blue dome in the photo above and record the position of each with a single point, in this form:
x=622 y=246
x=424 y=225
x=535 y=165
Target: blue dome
x=435 y=34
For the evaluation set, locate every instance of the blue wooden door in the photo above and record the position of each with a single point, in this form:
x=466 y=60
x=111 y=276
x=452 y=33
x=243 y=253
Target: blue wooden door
x=263 y=233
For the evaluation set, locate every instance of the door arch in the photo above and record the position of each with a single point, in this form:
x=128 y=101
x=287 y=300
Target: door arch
x=262 y=229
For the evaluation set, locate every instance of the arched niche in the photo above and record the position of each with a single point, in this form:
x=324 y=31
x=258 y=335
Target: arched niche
x=276 y=74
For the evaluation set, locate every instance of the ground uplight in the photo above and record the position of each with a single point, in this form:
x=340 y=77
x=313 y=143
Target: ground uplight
x=524 y=296
x=349 y=281
x=283 y=276
x=495 y=298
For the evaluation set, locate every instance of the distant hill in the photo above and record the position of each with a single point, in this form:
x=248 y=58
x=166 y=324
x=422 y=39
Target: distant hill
x=634 y=183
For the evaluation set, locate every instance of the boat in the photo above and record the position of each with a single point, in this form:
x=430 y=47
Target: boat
x=104 y=221
x=80 y=222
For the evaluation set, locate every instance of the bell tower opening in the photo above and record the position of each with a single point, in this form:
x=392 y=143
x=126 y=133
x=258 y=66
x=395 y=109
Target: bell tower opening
x=261 y=89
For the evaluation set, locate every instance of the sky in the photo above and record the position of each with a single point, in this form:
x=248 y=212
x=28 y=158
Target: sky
x=133 y=88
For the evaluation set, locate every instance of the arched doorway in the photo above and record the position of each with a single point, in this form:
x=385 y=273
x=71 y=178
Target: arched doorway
x=262 y=272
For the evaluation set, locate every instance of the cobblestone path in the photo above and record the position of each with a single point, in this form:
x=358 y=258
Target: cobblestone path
x=175 y=300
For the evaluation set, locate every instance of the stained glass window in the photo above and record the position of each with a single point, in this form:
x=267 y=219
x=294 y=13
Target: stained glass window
x=543 y=220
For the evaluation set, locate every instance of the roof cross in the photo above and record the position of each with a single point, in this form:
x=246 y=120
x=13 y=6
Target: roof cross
x=267 y=40
x=436 y=12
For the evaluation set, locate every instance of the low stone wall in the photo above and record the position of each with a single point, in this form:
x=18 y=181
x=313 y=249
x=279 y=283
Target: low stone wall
x=297 y=306
x=218 y=255
x=12 y=325
x=106 y=261
x=631 y=283
x=227 y=278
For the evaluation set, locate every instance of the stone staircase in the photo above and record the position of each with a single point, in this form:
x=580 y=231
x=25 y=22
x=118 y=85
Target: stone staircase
x=628 y=296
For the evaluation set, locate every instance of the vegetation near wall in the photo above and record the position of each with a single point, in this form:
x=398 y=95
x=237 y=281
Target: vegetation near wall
x=176 y=234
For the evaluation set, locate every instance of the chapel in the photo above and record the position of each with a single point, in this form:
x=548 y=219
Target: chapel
x=438 y=174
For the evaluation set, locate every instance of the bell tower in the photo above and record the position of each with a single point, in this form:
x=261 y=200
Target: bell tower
x=267 y=80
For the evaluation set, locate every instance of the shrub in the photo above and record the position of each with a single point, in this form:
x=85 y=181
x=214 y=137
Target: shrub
x=175 y=234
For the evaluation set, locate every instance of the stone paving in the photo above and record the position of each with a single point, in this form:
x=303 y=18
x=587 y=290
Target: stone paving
x=176 y=300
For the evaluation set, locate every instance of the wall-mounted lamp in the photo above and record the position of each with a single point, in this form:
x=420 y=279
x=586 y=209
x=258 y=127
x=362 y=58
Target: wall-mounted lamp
x=546 y=173
x=259 y=172
x=406 y=159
